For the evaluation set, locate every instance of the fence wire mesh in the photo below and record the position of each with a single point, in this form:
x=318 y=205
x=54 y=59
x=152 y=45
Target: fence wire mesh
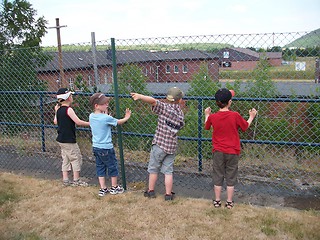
x=278 y=74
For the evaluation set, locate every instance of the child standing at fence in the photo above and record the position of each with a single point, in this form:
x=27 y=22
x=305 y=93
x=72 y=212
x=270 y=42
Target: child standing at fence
x=164 y=144
x=101 y=123
x=67 y=120
x=225 y=143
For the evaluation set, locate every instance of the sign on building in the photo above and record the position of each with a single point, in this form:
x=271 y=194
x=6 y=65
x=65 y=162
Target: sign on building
x=300 y=66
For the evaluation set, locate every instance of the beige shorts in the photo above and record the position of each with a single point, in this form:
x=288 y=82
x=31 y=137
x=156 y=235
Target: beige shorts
x=71 y=157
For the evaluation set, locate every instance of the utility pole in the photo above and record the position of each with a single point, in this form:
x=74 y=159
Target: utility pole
x=94 y=56
x=62 y=78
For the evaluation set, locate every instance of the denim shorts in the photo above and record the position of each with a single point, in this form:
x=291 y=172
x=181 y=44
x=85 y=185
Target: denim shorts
x=160 y=161
x=225 y=166
x=106 y=160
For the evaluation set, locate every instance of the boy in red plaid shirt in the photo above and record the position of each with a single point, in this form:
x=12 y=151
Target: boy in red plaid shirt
x=164 y=144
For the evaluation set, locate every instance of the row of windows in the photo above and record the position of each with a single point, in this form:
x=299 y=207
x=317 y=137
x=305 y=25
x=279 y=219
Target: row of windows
x=107 y=76
x=176 y=69
x=168 y=69
x=90 y=80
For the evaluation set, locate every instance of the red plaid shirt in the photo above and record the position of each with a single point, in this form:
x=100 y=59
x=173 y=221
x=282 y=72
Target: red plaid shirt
x=170 y=121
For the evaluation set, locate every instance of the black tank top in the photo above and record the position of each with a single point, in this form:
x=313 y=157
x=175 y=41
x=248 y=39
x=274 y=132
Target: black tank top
x=66 y=126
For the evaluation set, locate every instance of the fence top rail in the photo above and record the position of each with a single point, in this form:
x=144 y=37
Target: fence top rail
x=280 y=99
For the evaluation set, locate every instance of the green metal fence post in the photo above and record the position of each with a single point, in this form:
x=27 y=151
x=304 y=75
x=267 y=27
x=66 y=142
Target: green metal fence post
x=116 y=94
x=43 y=139
x=200 y=126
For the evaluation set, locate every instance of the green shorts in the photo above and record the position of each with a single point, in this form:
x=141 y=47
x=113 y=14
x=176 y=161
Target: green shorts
x=225 y=166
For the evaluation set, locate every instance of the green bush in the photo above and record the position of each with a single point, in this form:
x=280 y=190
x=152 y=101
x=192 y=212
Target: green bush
x=273 y=130
x=313 y=115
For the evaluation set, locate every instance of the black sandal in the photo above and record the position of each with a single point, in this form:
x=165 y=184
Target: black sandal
x=217 y=203
x=229 y=205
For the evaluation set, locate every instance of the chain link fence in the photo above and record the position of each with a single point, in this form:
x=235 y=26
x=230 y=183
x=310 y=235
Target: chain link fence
x=278 y=74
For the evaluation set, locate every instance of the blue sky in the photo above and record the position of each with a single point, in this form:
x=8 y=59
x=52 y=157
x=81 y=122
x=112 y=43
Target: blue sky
x=127 y=19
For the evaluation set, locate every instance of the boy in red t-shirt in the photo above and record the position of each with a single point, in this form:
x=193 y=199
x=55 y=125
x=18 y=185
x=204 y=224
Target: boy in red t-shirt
x=226 y=143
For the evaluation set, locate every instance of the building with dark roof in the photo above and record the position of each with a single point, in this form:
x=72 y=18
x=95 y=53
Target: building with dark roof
x=159 y=66
x=246 y=59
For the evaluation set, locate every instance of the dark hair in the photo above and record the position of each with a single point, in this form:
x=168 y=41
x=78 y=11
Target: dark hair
x=223 y=95
x=221 y=104
x=60 y=100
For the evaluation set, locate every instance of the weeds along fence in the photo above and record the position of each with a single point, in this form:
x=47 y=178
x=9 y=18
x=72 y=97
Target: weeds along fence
x=278 y=74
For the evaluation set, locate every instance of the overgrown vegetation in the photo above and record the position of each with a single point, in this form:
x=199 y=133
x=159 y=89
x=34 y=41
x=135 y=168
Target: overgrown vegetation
x=131 y=79
x=202 y=84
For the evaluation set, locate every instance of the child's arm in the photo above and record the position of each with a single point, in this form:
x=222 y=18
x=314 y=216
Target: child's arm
x=75 y=118
x=126 y=117
x=55 y=120
x=252 y=113
x=143 y=98
x=207 y=113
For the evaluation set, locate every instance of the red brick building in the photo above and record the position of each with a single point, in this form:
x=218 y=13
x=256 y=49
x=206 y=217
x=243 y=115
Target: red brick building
x=246 y=59
x=162 y=67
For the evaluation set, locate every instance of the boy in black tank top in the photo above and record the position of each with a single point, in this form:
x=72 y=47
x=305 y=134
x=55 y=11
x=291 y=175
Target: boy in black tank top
x=67 y=120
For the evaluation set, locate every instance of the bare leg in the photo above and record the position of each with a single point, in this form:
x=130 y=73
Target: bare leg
x=217 y=192
x=102 y=182
x=152 y=181
x=65 y=175
x=76 y=175
x=168 y=180
x=114 y=181
x=230 y=191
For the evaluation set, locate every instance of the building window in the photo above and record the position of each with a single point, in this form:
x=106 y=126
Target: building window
x=157 y=73
x=89 y=80
x=71 y=84
x=146 y=71
x=185 y=68
x=106 y=78
x=176 y=69
x=168 y=69
x=226 y=54
x=226 y=64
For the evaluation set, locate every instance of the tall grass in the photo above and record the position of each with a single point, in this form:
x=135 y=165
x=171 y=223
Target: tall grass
x=283 y=72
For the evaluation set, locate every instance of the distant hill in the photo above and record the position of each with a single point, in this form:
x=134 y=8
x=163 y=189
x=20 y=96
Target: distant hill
x=310 y=40
x=209 y=47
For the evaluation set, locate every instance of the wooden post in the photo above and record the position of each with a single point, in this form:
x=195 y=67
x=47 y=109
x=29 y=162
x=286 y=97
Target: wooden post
x=62 y=80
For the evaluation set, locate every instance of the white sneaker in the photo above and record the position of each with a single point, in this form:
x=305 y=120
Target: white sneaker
x=103 y=192
x=79 y=183
x=116 y=190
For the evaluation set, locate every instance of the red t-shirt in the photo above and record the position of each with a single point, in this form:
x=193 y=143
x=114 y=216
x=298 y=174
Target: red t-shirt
x=225 y=135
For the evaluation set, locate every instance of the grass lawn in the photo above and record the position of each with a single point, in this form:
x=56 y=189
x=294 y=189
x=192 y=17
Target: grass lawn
x=33 y=208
